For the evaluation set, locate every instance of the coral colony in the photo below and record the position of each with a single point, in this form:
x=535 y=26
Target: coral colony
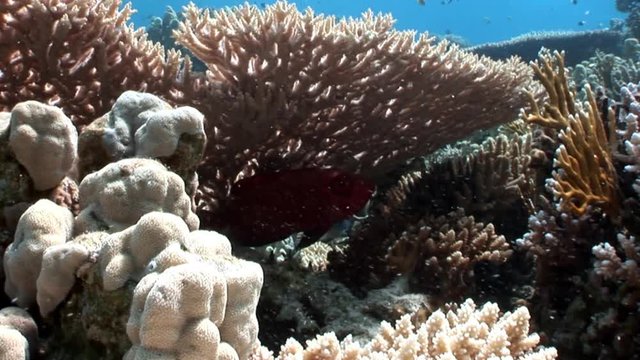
x=486 y=209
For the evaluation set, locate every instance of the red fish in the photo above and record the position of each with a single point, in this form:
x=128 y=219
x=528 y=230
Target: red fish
x=268 y=207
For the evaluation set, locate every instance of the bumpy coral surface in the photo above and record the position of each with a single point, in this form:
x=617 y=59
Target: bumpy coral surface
x=44 y=224
x=44 y=141
x=118 y=195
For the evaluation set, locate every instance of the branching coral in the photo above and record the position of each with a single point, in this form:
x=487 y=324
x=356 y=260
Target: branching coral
x=586 y=174
x=440 y=253
x=302 y=89
x=490 y=182
x=80 y=55
x=465 y=333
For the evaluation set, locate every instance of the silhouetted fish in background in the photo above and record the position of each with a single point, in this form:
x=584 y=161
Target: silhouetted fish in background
x=269 y=207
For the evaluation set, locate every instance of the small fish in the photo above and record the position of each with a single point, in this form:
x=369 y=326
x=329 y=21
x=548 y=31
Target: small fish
x=574 y=2
x=421 y=2
x=582 y=23
x=269 y=207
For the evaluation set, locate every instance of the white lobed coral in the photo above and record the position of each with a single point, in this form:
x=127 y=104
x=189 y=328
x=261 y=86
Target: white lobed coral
x=44 y=141
x=18 y=334
x=143 y=125
x=58 y=274
x=13 y=346
x=467 y=333
x=196 y=305
x=180 y=314
x=44 y=224
x=119 y=194
x=126 y=254
x=124 y=120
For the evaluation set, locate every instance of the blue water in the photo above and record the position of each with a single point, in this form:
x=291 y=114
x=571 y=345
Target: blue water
x=477 y=21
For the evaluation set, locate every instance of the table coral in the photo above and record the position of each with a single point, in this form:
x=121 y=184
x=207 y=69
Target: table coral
x=80 y=55
x=303 y=90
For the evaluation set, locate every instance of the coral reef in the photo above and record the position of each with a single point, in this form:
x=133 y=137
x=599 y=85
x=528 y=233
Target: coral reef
x=464 y=333
x=80 y=55
x=353 y=94
x=579 y=45
x=107 y=194
x=586 y=174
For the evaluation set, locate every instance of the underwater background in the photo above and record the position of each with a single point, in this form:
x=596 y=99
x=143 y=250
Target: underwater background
x=251 y=181
x=474 y=21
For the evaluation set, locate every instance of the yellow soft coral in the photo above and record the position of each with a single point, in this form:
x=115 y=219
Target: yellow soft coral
x=586 y=175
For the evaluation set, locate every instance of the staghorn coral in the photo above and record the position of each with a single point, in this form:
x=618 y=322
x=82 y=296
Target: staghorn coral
x=586 y=175
x=612 y=330
x=464 y=333
x=487 y=181
x=610 y=266
x=80 y=55
x=302 y=89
